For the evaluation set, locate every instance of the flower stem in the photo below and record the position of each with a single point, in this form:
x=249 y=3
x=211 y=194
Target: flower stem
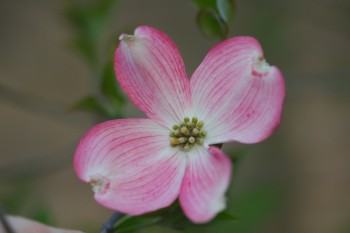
x=108 y=226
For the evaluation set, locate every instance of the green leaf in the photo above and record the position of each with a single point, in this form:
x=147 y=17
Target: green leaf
x=179 y=221
x=176 y=219
x=225 y=216
x=226 y=9
x=90 y=104
x=210 y=24
x=201 y=4
x=171 y=217
x=214 y=16
x=133 y=223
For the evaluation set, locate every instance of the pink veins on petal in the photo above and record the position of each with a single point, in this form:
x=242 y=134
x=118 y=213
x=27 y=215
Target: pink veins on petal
x=140 y=165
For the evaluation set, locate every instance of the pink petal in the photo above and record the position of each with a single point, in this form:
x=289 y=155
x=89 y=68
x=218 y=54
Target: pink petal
x=23 y=225
x=238 y=95
x=151 y=71
x=131 y=165
x=206 y=180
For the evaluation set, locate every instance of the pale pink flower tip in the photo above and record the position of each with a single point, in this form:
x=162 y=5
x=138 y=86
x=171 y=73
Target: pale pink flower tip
x=140 y=165
x=23 y=225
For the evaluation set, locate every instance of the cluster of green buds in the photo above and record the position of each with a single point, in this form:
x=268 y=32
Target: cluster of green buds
x=187 y=133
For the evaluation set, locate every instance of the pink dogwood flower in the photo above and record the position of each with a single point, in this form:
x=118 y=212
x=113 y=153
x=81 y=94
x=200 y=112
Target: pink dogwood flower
x=141 y=165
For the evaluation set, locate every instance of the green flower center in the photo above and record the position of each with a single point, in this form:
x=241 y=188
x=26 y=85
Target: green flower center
x=187 y=133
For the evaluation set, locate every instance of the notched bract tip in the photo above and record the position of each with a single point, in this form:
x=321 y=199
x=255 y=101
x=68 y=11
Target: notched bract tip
x=99 y=184
x=260 y=67
x=126 y=37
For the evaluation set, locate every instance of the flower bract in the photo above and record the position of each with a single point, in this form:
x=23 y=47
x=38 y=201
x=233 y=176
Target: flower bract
x=140 y=165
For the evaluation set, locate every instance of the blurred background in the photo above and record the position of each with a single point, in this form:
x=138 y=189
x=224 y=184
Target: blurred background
x=298 y=180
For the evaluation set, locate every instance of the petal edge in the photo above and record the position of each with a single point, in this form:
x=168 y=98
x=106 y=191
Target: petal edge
x=206 y=180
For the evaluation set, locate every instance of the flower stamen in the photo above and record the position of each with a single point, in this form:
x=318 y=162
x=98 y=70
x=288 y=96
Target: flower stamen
x=260 y=67
x=187 y=133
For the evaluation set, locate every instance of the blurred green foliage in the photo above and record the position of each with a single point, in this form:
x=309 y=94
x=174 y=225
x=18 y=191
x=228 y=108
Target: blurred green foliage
x=42 y=213
x=17 y=200
x=91 y=23
x=109 y=102
x=215 y=16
